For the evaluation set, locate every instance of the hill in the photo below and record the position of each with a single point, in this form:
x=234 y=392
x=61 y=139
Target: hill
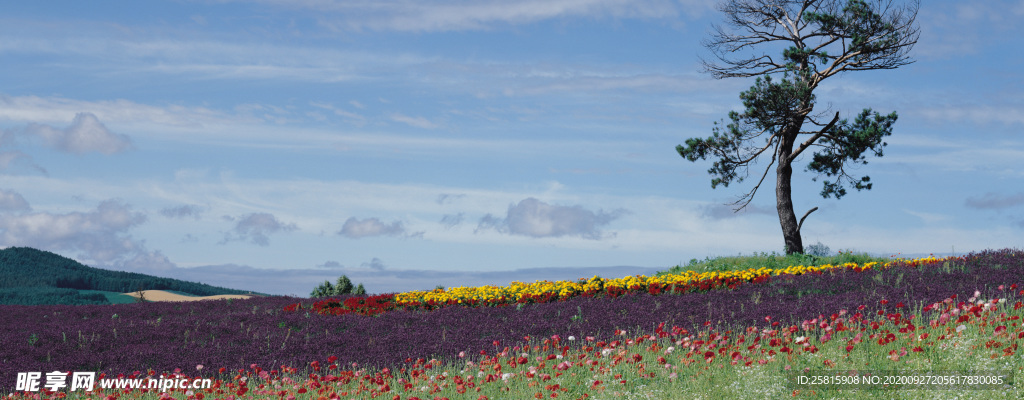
x=30 y=276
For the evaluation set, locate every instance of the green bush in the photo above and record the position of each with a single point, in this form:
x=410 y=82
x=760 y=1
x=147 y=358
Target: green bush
x=344 y=286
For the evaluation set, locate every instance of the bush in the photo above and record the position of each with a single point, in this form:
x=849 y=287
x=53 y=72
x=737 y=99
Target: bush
x=344 y=286
x=818 y=250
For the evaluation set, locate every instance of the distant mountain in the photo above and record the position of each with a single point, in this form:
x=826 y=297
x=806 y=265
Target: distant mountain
x=31 y=276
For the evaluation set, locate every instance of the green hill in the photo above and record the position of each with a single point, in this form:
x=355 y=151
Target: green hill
x=30 y=276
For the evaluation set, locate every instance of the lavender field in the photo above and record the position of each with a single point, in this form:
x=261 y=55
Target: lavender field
x=235 y=334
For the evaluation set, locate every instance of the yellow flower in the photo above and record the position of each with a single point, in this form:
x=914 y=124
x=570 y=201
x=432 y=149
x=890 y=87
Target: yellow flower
x=519 y=290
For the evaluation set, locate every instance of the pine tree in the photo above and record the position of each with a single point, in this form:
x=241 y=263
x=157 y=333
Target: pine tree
x=325 y=289
x=344 y=286
x=824 y=38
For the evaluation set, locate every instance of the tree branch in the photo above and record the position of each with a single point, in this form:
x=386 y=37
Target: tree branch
x=810 y=141
x=751 y=158
x=801 y=224
x=750 y=195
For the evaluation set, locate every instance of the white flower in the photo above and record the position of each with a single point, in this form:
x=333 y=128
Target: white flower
x=960 y=328
x=572 y=338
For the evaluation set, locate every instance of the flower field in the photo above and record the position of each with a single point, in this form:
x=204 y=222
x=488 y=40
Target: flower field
x=518 y=293
x=722 y=334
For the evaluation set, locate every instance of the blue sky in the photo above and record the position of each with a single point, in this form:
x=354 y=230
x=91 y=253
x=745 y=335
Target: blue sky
x=270 y=145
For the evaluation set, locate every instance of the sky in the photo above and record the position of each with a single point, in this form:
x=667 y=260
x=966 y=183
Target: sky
x=270 y=145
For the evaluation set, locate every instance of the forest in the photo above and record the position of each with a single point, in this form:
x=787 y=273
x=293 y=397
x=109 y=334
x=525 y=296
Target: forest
x=30 y=276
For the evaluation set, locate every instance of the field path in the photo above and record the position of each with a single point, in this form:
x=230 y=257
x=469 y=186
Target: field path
x=160 y=295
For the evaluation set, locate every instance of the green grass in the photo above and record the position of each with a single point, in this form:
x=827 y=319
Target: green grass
x=771 y=260
x=112 y=297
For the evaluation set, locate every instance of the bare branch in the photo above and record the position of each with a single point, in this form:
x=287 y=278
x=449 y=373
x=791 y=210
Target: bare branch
x=801 y=224
x=747 y=198
x=751 y=158
x=765 y=21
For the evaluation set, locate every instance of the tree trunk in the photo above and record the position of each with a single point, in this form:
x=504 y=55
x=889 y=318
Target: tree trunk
x=784 y=195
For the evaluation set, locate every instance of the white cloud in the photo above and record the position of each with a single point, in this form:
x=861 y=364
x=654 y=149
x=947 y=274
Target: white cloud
x=248 y=127
x=995 y=201
x=58 y=109
x=86 y=134
x=722 y=211
x=590 y=81
x=331 y=265
x=184 y=211
x=445 y=198
x=452 y=220
x=957 y=28
x=927 y=218
x=374 y=264
x=416 y=122
x=13 y=201
x=256 y=228
x=9 y=160
x=356 y=229
x=462 y=15
x=985 y=114
x=532 y=217
x=989 y=158
x=146 y=262
x=100 y=235
x=352 y=117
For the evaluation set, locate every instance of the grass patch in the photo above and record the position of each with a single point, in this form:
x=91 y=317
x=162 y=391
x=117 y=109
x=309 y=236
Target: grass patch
x=772 y=261
x=112 y=297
